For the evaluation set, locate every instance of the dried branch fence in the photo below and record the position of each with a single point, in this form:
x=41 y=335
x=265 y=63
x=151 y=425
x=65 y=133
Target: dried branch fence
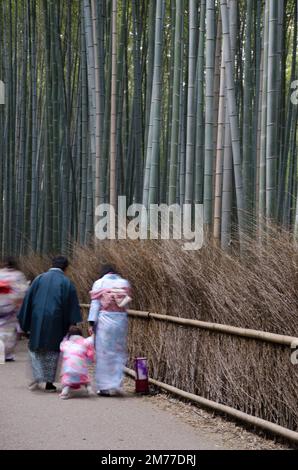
x=247 y=374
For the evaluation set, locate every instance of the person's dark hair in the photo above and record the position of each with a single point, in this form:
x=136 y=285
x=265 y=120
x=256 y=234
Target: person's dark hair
x=60 y=262
x=74 y=330
x=106 y=269
x=11 y=263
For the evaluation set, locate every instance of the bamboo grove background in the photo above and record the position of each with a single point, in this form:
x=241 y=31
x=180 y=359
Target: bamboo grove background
x=162 y=101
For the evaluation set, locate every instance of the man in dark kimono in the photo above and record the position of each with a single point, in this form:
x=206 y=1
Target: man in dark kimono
x=50 y=307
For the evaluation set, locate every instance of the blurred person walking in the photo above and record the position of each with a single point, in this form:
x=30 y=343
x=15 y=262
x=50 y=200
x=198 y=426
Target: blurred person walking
x=13 y=286
x=50 y=307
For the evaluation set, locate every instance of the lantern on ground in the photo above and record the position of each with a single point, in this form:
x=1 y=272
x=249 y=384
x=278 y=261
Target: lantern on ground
x=141 y=368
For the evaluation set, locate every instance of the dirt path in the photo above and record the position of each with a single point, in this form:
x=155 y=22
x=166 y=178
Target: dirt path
x=38 y=420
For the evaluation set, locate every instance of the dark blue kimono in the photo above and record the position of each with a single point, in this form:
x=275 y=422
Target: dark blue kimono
x=50 y=306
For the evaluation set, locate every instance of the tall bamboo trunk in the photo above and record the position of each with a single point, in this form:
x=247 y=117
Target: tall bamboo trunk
x=113 y=142
x=208 y=165
x=272 y=103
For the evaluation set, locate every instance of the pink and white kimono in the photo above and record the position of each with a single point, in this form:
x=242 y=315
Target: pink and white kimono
x=78 y=353
x=13 y=286
x=110 y=296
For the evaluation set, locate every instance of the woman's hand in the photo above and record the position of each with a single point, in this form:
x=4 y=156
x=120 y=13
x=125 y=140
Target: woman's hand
x=90 y=330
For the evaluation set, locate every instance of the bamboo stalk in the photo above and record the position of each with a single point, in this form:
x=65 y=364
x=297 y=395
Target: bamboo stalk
x=97 y=103
x=272 y=101
x=233 y=116
x=199 y=152
x=156 y=104
x=219 y=157
x=190 y=124
x=209 y=151
x=172 y=190
x=113 y=142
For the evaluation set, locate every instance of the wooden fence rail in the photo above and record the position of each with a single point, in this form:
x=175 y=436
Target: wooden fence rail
x=283 y=340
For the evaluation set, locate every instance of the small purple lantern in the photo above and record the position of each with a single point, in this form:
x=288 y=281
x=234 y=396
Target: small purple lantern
x=141 y=368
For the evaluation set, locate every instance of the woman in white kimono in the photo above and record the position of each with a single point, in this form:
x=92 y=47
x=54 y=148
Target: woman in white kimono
x=110 y=296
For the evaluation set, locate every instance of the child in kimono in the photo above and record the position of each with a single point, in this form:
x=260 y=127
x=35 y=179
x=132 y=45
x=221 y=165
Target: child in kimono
x=77 y=354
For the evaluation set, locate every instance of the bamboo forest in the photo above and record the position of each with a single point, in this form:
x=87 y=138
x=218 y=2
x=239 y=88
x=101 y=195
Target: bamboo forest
x=162 y=101
x=149 y=226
